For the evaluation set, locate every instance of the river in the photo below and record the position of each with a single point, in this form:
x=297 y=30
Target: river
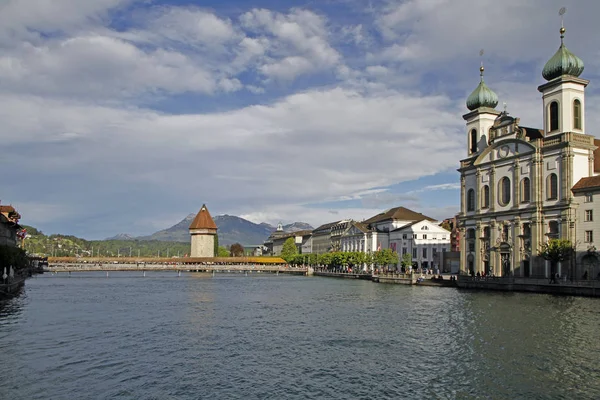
x=289 y=337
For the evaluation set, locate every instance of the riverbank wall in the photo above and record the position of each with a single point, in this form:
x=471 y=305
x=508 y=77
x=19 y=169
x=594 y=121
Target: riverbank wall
x=568 y=288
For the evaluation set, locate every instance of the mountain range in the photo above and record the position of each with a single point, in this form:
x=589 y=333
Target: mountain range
x=231 y=230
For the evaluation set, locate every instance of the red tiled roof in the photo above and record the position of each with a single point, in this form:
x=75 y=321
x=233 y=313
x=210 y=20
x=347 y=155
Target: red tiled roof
x=587 y=183
x=7 y=209
x=203 y=220
x=398 y=213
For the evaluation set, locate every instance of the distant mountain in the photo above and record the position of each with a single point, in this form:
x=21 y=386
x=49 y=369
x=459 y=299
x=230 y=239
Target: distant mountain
x=121 y=236
x=232 y=229
x=297 y=226
x=177 y=233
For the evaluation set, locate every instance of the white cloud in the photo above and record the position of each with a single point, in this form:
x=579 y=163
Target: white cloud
x=297 y=42
x=380 y=102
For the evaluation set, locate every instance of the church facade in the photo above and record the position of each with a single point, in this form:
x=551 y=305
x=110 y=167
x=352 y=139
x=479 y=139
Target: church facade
x=516 y=181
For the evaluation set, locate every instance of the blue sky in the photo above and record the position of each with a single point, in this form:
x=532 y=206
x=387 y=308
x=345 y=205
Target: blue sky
x=124 y=116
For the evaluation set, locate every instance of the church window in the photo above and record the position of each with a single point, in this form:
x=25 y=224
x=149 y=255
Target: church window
x=553 y=116
x=552 y=187
x=473 y=141
x=486 y=232
x=576 y=114
x=485 y=197
x=553 y=229
x=504 y=191
x=471 y=200
x=525 y=190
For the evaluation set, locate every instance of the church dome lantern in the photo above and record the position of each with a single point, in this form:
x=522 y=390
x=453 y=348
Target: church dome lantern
x=482 y=96
x=563 y=62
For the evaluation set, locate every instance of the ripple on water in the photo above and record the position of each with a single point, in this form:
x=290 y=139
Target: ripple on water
x=163 y=337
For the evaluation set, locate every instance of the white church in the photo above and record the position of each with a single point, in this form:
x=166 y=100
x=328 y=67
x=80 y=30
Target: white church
x=517 y=182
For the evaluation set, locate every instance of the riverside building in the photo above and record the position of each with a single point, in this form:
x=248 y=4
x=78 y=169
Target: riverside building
x=517 y=181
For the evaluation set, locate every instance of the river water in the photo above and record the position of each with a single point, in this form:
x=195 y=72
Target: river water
x=290 y=337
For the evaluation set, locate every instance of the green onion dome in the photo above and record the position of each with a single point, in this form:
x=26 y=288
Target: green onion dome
x=563 y=62
x=482 y=96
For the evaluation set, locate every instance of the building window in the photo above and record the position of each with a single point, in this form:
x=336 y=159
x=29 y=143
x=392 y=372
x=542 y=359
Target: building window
x=471 y=233
x=576 y=114
x=434 y=252
x=414 y=255
x=589 y=197
x=589 y=236
x=443 y=249
x=553 y=229
x=552 y=187
x=425 y=253
x=486 y=232
x=589 y=216
x=471 y=246
x=424 y=236
x=415 y=236
x=525 y=190
x=404 y=251
x=471 y=200
x=485 y=197
x=473 y=141
x=553 y=116
x=504 y=190
x=404 y=236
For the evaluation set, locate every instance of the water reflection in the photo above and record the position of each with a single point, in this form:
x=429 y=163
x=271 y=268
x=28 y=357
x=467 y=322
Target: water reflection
x=196 y=336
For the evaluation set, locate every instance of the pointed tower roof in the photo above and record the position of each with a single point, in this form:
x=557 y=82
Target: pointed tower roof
x=482 y=96
x=563 y=62
x=203 y=220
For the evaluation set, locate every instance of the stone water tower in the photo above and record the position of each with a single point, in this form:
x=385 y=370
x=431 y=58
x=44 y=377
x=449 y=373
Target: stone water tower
x=203 y=231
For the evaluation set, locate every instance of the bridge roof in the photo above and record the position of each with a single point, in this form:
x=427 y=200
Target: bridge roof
x=203 y=220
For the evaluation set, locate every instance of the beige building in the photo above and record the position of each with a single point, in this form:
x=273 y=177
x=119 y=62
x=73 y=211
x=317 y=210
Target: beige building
x=203 y=231
x=586 y=193
x=516 y=181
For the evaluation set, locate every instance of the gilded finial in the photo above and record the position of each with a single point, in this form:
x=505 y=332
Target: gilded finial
x=481 y=69
x=562 y=31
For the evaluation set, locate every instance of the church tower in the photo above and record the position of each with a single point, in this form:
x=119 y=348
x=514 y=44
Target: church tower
x=481 y=103
x=563 y=95
x=203 y=231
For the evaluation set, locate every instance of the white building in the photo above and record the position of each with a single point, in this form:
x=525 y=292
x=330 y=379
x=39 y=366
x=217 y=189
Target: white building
x=516 y=181
x=423 y=240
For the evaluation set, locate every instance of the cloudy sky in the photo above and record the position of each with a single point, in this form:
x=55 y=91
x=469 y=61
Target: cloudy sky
x=125 y=116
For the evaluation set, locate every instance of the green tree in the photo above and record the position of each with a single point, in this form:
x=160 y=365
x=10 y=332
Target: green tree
x=289 y=249
x=406 y=260
x=236 y=250
x=222 y=252
x=556 y=250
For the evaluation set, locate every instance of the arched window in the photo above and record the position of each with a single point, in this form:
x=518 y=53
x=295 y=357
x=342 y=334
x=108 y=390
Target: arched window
x=576 y=114
x=504 y=191
x=552 y=187
x=525 y=190
x=473 y=141
x=485 y=197
x=471 y=200
x=553 y=116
